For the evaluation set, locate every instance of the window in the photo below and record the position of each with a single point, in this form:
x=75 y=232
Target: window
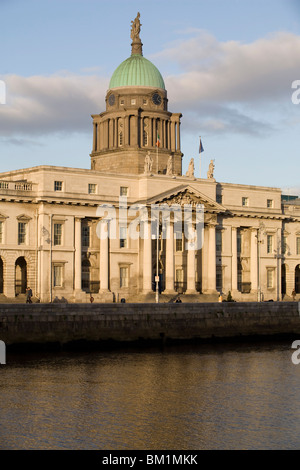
x=178 y=242
x=270 y=203
x=58 y=185
x=245 y=201
x=145 y=101
x=133 y=101
x=57 y=276
x=239 y=242
x=298 y=245
x=22 y=233
x=145 y=139
x=219 y=278
x=218 y=240
x=57 y=235
x=122 y=102
x=92 y=188
x=123 y=191
x=1 y=232
x=123 y=277
x=269 y=244
x=270 y=278
x=85 y=235
x=123 y=237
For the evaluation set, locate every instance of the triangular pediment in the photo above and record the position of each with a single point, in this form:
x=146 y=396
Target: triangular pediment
x=186 y=194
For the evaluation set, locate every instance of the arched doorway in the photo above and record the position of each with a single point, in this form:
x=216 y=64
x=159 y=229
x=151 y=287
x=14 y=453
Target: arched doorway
x=283 y=279
x=297 y=279
x=85 y=275
x=21 y=276
x=1 y=276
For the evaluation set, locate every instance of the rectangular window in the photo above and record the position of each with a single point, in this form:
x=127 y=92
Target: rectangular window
x=85 y=235
x=298 y=245
x=1 y=232
x=21 y=233
x=270 y=278
x=269 y=244
x=123 y=277
x=245 y=201
x=218 y=240
x=178 y=244
x=239 y=242
x=57 y=235
x=270 y=203
x=122 y=102
x=123 y=191
x=133 y=101
x=57 y=276
x=123 y=237
x=58 y=185
x=219 y=278
x=92 y=188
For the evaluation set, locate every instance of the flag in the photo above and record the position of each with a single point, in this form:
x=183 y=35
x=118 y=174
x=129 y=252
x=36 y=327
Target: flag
x=158 y=141
x=201 y=149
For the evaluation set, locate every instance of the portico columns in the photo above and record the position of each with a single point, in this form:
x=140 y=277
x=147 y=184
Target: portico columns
x=211 y=274
x=234 y=276
x=170 y=260
x=191 y=274
x=104 y=258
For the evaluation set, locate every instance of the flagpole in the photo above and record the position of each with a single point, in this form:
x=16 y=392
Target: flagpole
x=200 y=157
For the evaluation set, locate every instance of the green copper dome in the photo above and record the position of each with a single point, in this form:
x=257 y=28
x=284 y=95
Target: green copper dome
x=136 y=71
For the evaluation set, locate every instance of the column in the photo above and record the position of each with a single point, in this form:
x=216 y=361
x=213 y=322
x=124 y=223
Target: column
x=211 y=273
x=191 y=267
x=104 y=258
x=147 y=258
x=234 y=276
x=173 y=135
x=253 y=261
x=178 y=136
x=126 y=130
x=170 y=260
x=150 y=142
x=77 y=266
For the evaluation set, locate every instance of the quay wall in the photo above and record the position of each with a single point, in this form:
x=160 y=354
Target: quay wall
x=67 y=323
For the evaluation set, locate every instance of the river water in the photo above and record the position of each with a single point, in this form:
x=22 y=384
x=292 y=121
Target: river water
x=220 y=396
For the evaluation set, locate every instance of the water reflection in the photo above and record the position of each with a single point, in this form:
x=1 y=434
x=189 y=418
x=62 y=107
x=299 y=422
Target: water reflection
x=183 y=398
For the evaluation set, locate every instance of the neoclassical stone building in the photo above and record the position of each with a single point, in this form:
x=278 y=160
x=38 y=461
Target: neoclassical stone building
x=53 y=220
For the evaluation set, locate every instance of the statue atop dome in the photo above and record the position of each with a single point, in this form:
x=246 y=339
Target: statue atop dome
x=136 y=45
x=136 y=28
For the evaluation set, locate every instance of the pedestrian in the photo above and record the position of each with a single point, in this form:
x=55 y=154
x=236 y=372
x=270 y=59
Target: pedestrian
x=294 y=294
x=178 y=300
x=28 y=295
x=220 y=297
x=91 y=299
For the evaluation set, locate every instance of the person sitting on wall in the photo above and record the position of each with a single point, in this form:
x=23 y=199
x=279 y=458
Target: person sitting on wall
x=178 y=300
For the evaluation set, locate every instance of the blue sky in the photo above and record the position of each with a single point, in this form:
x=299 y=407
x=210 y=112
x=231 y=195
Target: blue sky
x=228 y=66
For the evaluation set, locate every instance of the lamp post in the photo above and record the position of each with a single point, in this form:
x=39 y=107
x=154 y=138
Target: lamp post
x=259 y=241
x=157 y=274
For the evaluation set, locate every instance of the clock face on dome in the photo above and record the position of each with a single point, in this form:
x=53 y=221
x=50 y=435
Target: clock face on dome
x=156 y=98
x=111 y=100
